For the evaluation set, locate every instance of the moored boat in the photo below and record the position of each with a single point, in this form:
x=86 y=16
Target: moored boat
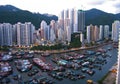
x=5 y=69
x=42 y=65
x=6 y=57
x=23 y=65
x=90 y=72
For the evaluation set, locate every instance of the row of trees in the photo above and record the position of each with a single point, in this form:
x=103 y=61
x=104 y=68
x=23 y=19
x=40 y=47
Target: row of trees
x=54 y=47
x=4 y=48
x=75 y=42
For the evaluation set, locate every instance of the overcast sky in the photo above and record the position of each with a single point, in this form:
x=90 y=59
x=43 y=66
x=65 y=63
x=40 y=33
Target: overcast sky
x=56 y=6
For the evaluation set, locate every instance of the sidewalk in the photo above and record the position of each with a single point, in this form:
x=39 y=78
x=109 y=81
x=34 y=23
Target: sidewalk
x=111 y=77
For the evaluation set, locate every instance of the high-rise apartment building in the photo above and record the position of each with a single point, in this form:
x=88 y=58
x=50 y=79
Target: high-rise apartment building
x=30 y=29
x=118 y=62
x=25 y=34
x=68 y=20
x=96 y=33
x=92 y=33
x=115 y=30
x=52 y=35
x=54 y=25
x=66 y=25
x=68 y=34
x=61 y=34
x=101 y=33
x=6 y=34
x=72 y=15
x=82 y=38
x=43 y=27
x=14 y=34
x=61 y=20
x=106 y=31
x=88 y=34
x=75 y=25
x=81 y=21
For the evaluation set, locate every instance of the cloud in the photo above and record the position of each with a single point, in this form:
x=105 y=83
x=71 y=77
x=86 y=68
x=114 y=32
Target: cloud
x=117 y=5
x=100 y=2
x=118 y=11
x=55 y=6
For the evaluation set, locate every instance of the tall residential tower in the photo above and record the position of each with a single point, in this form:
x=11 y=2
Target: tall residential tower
x=118 y=69
x=6 y=34
x=25 y=34
x=81 y=21
x=115 y=30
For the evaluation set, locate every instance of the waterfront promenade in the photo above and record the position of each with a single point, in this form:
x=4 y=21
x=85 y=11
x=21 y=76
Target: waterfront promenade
x=111 y=76
x=72 y=49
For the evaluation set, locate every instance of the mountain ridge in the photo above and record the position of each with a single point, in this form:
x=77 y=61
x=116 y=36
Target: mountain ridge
x=11 y=14
x=8 y=8
x=98 y=17
x=8 y=15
